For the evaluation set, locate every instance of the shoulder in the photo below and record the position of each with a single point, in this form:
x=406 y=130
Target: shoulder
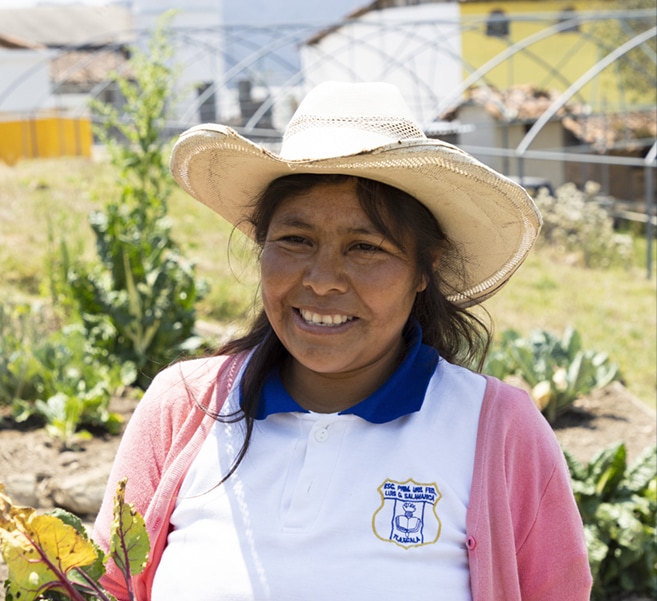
x=455 y=381
x=511 y=425
x=181 y=385
x=509 y=404
x=189 y=372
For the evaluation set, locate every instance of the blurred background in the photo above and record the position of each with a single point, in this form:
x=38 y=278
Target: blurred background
x=544 y=91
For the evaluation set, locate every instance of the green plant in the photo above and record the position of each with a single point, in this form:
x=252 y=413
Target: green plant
x=138 y=302
x=79 y=387
x=51 y=557
x=577 y=222
x=618 y=506
x=20 y=373
x=557 y=369
x=56 y=376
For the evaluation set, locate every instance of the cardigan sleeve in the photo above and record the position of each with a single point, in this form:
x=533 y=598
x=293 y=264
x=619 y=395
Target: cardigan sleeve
x=527 y=538
x=160 y=440
x=140 y=458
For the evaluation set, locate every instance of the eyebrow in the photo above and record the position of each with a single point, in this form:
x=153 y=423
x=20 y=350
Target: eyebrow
x=297 y=222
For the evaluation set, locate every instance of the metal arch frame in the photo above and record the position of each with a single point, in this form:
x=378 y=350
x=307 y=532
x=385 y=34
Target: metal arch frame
x=296 y=78
x=553 y=71
x=649 y=162
x=277 y=43
x=392 y=61
x=514 y=49
x=244 y=65
x=585 y=78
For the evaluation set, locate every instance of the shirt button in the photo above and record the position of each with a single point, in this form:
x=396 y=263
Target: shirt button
x=470 y=543
x=322 y=435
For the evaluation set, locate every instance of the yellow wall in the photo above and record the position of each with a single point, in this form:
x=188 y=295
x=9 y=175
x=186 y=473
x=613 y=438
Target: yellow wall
x=44 y=137
x=569 y=53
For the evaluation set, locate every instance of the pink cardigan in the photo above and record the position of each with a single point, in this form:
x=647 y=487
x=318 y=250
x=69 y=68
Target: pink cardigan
x=525 y=538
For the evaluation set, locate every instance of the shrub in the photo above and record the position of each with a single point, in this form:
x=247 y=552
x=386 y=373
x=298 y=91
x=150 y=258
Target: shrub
x=557 y=370
x=576 y=222
x=618 y=506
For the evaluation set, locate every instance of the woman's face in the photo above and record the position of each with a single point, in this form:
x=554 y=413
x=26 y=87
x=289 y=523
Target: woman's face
x=336 y=291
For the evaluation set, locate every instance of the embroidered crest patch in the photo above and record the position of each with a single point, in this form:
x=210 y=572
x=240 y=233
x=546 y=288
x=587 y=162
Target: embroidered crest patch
x=407 y=515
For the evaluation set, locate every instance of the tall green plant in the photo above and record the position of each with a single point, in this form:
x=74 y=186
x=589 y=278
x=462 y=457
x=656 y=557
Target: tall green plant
x=138 y=302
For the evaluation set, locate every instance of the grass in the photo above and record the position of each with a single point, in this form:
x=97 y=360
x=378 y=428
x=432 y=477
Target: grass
x=43 y=201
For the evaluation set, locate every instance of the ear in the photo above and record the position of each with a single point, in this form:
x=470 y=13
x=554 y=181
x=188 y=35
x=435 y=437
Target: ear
x=424 y=281
x=422 y=284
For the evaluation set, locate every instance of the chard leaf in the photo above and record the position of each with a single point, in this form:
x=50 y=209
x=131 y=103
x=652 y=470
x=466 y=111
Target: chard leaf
x=40 y=551
x=643 y=471
x=129 y=544
x=608 y=469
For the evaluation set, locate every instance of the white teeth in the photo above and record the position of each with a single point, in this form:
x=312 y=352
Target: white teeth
x=324 y=320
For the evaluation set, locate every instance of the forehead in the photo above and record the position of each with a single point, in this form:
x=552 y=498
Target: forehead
x=338 y=200
x=344 y=201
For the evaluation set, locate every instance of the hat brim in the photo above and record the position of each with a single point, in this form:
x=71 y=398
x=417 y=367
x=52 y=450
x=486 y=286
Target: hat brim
x=491 y=221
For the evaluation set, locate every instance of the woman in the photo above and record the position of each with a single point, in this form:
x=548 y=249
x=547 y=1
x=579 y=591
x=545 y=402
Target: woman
x=342 y=449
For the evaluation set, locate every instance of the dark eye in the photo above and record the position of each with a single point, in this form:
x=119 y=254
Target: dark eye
x=294 y=239
x=366 y=247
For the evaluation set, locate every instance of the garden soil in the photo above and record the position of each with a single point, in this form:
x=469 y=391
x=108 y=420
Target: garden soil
x=605 y=417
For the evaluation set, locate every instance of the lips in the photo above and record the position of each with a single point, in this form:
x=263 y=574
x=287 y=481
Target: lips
x=326 y=320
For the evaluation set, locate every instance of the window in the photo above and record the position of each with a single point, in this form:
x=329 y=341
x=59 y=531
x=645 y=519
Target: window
x=497 y=24
x=205 y=94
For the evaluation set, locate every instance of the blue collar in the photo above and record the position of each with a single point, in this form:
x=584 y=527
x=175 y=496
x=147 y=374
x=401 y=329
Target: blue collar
x=402 y=394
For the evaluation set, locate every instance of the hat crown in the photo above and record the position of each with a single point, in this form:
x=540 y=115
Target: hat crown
x=340 y=119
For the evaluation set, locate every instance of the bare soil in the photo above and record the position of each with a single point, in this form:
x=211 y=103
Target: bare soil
x=605 y=417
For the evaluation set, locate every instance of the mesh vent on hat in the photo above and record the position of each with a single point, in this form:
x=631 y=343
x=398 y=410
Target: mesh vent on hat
x=395 y=129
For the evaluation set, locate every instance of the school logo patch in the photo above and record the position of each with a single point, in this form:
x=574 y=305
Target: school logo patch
x=407 y=515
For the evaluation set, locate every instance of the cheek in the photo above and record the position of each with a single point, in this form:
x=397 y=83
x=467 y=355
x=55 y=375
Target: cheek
x=276 y=276
x=400 y=288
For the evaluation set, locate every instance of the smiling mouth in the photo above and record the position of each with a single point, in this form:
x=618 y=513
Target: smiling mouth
x=317 y=319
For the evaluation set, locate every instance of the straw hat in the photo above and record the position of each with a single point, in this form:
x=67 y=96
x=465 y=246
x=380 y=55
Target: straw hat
x=367 y=130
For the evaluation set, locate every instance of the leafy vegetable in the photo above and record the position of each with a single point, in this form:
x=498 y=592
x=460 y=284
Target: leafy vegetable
x=51 y=554
x=129 y=545
x=618 y=506
x=556 y=369
x=57 y=376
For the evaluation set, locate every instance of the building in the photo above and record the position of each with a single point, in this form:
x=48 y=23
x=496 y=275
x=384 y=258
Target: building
x=55 y=58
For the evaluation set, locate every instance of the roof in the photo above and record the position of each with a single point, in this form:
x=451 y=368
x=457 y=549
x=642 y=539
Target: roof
x=13 y=43
x=384 y=4
x=368 y=8
x=68 y=25
x=526 y=103
x=614 y=131
x=87 y=67
x=520 y=103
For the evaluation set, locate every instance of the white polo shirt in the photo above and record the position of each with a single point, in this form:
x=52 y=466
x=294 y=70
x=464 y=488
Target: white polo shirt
x=368 y=504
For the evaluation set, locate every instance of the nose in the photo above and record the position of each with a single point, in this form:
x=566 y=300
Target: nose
x=324 y=272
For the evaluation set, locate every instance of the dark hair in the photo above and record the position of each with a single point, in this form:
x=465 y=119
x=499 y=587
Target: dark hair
x=459 y=336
